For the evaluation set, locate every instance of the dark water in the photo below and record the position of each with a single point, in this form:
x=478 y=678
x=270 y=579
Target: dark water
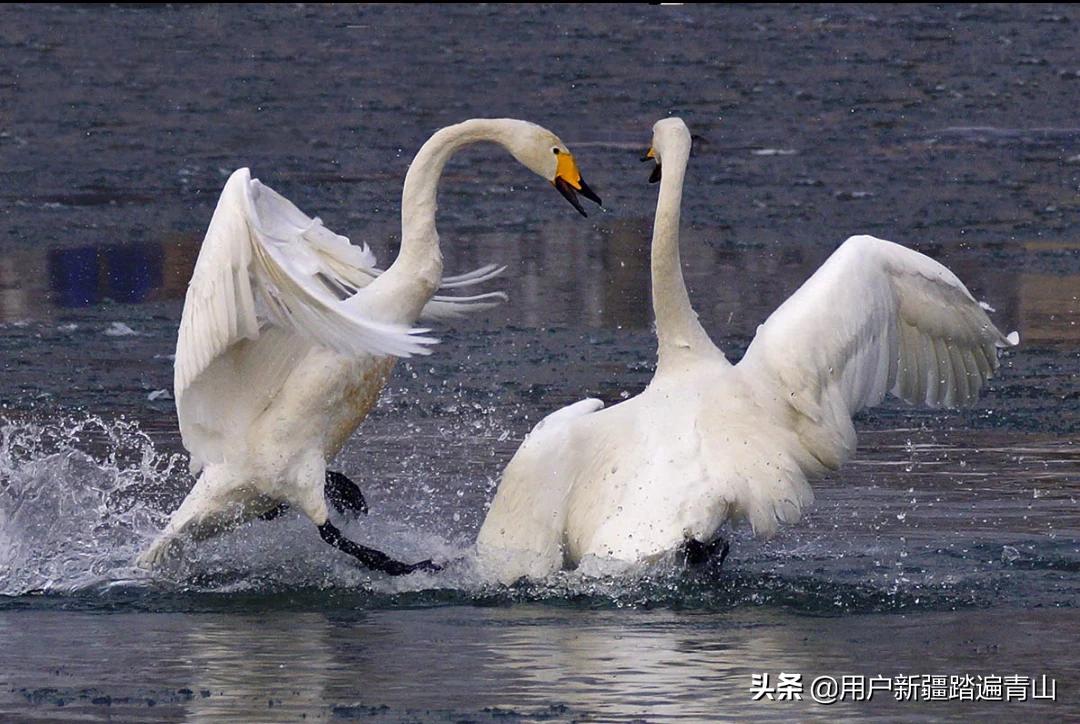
x=949 y=546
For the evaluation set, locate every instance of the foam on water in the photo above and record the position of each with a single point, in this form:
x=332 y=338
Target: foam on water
x=71 y=519
x=81 y=497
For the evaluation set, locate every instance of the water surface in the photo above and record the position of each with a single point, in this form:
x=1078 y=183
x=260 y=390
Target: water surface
x=949 y=545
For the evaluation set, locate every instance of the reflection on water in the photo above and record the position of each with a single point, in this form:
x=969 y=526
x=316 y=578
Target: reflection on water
x=22 y=282
x=1049 y=304
x=563 y=275
x=39 y=282
x=125 y=273
x=483 y=664
x=948 y=546
x=241 y=661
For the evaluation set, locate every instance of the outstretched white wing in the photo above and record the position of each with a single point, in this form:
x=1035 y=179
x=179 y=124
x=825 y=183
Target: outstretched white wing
x=876 y=317
x=268 y=284
x=263 y=260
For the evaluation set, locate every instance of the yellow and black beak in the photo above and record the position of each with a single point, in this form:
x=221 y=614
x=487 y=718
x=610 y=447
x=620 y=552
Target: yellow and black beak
x=569 y=182
x=655 y=175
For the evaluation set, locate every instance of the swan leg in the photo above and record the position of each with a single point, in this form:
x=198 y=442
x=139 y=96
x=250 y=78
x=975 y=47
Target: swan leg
x=276 y=512
x=696 y=553
x=344 y=494
x=208 y=509
x=164 y=547
x=371 y=558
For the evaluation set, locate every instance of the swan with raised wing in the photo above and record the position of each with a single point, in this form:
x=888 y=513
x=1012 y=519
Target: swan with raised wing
x=289 y=333
x=709 y=442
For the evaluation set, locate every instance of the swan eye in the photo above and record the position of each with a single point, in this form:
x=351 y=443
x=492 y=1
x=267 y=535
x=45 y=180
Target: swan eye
x=555 y=151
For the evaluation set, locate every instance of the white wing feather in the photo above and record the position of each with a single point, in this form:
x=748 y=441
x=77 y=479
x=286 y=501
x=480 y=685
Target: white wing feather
x=522 y=534
x=876 y=317
x=269 y=283
x=443 y=307
x=263 y=259
x=260 y=295
x=353 y=267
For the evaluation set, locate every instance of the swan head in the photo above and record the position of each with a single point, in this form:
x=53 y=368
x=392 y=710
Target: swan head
x=543 y=153
x=670 y=136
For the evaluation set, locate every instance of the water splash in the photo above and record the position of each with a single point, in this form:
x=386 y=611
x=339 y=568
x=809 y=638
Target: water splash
x=80 y=498
x=74 y=502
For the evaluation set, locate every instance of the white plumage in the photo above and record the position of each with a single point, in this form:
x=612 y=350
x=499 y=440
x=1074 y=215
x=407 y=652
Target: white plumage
x=708 y=442
x=262 y=293
x=289 y=333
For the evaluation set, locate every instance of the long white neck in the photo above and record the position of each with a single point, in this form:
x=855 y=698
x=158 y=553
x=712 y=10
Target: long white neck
x=677 y=327
x=417 y=272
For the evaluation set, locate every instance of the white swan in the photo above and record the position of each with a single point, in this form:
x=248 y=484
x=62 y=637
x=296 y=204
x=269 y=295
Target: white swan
x=289 y=333
x=707 y=442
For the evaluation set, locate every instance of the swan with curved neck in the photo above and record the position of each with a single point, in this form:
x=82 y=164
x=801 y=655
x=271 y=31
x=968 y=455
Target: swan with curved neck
x=415 y=274
x=289 y=333
x=708 y=442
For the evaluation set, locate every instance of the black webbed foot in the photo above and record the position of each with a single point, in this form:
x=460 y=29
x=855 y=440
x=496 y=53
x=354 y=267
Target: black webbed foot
x=344 y=494
x=428 y=566
x=373 y=559
x=275 y=512
x=696 y=553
